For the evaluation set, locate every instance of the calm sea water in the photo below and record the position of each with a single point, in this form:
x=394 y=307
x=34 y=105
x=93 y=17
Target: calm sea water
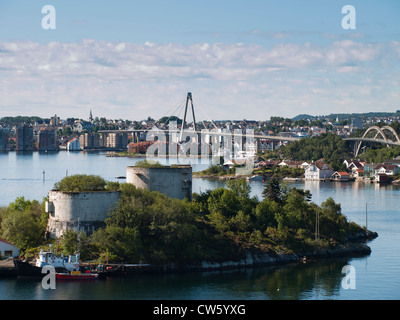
x=377 y=275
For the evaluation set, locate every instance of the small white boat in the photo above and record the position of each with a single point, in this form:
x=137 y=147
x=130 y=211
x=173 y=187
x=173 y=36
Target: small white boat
x=47 y=258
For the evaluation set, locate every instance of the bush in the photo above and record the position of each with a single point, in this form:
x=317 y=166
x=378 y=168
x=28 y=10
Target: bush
x=81 y=183
x=148 y=164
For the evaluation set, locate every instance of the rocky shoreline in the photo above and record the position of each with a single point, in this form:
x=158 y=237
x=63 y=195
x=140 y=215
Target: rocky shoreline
x=254 y=260
x=356 y=247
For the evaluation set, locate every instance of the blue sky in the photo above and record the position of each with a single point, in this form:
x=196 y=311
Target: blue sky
x=240 y=59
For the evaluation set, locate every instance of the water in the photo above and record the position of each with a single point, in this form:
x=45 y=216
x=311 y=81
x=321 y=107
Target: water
x=377 y=275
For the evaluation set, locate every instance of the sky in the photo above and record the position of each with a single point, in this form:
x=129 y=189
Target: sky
x=249 y=59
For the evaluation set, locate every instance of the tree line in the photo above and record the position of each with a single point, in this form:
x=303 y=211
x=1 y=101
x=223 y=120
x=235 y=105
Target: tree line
x=328 y=146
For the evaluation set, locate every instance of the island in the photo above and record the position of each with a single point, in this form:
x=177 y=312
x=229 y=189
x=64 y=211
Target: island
x=218 y=229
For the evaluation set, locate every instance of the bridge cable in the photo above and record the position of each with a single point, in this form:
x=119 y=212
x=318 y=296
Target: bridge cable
x=208 y=118
x=179 y=106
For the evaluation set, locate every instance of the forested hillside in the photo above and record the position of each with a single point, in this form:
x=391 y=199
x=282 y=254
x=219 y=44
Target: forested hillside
x=328 y=146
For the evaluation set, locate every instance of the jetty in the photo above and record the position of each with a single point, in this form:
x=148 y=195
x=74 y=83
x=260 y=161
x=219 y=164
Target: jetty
x=7 y=268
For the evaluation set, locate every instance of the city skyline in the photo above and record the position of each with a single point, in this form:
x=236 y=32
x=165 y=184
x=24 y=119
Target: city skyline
x=240 y=59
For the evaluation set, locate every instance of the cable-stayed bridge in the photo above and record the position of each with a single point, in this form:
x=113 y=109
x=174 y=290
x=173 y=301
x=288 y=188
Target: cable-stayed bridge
x=181 y=135
x=212 y=132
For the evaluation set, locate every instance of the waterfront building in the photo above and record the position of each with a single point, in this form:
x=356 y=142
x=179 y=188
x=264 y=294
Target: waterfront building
x=341 y=176
x=48 y=140
x=7 y=249
x=388 y=169
x=139 y=147
x=74 y=145
x=4 y=137
x=381 y=177
x=318 y=170
x=117 y=140
x=369 y=170
x=90 y=141
x=24 y=137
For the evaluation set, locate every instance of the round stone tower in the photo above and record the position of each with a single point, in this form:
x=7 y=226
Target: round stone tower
x=174 y=181
x=86 y=210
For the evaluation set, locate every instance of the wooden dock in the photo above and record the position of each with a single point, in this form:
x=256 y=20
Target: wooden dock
x=7 y=269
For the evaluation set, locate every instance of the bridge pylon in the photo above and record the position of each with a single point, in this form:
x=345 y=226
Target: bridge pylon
x=188 y=99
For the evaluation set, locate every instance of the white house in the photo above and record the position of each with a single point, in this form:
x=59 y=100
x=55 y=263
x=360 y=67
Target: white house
x=356 y=169
x=389 y=169
x=7 y=249
x=318 y=170
x=74 y=145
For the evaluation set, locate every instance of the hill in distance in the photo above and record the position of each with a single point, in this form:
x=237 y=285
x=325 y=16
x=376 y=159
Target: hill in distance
x=342 y=116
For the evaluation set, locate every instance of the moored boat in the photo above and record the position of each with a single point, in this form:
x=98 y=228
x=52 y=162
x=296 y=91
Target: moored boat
x=47 y=258
x=77 y=275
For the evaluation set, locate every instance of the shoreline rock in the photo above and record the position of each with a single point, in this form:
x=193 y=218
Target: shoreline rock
x=253 y=260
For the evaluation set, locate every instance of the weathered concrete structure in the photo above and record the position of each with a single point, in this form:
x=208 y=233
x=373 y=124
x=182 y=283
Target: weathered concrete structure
x=88 y=209
x=173 y=181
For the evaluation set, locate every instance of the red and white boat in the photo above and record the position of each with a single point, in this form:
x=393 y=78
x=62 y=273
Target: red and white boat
x=77 y=275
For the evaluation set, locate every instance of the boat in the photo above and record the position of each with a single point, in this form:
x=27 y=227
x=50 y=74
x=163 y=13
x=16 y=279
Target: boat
x=65 y=268
x=47 y=258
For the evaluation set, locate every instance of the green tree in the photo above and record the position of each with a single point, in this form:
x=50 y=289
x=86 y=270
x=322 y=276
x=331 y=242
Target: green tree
x=21 y=229
x=21 y=204
x=273 y=191
x=224 y=202
x=117 y=244
x=297 y=210
x=71 y=243
x=265 y=214
x=333 y=223
x=23 y=223
x=240 y=187
x=241 y=222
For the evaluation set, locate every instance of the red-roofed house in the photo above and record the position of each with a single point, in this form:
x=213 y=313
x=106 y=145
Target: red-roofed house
x=341 y=176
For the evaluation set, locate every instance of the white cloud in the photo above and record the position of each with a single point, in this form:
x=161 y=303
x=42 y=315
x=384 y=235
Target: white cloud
x=229 y=80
